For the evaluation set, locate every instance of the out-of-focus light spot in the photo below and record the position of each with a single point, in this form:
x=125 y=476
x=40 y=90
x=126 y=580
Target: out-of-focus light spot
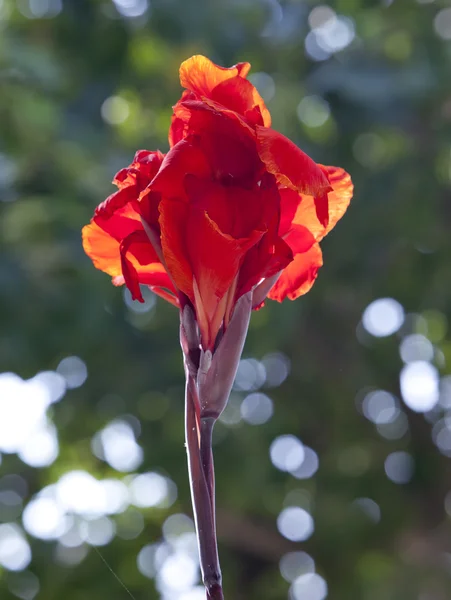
x=383 y=317
x=313 y=111
x=442 y=23
x=309 y=465
x=320 y=15
x=74 y=371
x=419 y=383
x=16 y=483
x=416 y=347
x=81 y=493
x=294 y=564
x=370 y=508
x=287 y=453
x=41 y=448
x=146 y=560
x=186 y=543
x=40 y=9
x=71 y=538
x=256 y=408
x=148 y=489
x=231 y=415
x=313 y=48
x=129 y=524
x=178 y=573
x=116 y=496
x=119 y=446
x=310 y=586
x=176 y=525
x=149 y=298
x=15 y=552
x=277 y=367
x=10 y=505
x=330 y=33
x=23 y=406
x=295 y=523
x=71 y=556
x=445 y=392
x=24 y=586
x=97 y=532
x=396 y=429
x=8 y=168
x=264 y=84
x=45 y=519
x=131 y=8
x=196 y=593
x=441 y=434
x=370 y=150
x=380 y=407
x=115 y=110
x=54 y=382
x=399 y=467
x=251 y=375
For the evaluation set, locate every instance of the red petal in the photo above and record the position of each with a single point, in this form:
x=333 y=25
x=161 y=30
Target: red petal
x=240 y=95
x=299 y=276
x=173 y=224
x=184 y=158
x=293 y=168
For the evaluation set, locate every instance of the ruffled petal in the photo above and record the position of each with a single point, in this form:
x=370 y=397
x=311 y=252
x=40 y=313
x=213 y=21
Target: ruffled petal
x=241 y=96
x=304 y=205
x=293 y=168
x=102 y=249
x=140 y=264
x=200 y=75
x=131 y=260
x=299 y=276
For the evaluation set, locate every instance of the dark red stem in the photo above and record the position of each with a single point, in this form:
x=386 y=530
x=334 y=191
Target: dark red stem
x=200 y=466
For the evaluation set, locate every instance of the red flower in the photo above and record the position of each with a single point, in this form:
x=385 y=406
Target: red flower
x=230 y=207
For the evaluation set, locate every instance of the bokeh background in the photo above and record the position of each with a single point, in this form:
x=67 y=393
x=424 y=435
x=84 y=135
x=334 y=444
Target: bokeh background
x=333 y=457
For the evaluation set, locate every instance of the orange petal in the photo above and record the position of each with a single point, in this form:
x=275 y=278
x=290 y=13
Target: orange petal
x=339 y=199
x=140 y=264
x=105 y=253
x=102 y=249
x=200 y=75
x=299 y=276
x=240 y=95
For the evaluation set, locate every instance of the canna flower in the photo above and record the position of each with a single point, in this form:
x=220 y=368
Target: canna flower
x=231 y=215
x=233 y=207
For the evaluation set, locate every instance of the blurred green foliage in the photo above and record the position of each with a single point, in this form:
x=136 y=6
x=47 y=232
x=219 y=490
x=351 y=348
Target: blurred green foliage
x=83 y=84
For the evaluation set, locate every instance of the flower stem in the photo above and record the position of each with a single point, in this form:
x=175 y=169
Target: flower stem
x=200 y=466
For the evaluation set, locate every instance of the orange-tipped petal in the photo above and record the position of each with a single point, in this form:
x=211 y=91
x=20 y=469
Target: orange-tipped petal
x=200 y=75
x=102 y=249
x=241 y=96
x=306 y=214
x=299 y=276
